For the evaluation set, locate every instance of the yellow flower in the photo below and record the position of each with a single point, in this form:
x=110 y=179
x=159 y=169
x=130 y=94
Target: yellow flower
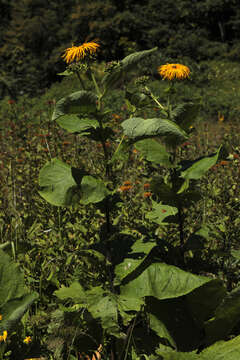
x=4 y=336
x=0 y=317
x=79 y=52
x=27 y=340
x=171 y=71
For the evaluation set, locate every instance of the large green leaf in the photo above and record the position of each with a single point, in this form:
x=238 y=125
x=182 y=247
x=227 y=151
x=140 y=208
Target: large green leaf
x=196 y=169
x=153 y=151
x=160 y=212
x=111 y=79
x=222 y=350
x=14 y=309
x=79 y=102
x=226 y=316
x=11 y=280
x=58 y=184
x=14 y=297
x=93 y=190
x=198 y=300
x=137 y=128
x=172 y=321
x=140 y=250
x=73 y=123
x=63 y=185
x=163 y=282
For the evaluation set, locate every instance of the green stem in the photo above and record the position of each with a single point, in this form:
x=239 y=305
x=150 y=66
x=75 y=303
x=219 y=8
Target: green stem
x=154 y=98
x=95 y=84
x=80 y=80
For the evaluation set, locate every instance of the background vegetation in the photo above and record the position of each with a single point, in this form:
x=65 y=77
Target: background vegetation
x=33 y=34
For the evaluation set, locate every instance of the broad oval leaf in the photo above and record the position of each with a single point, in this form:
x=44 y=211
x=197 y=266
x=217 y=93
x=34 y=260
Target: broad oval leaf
x=79 y=102
x=153 y=151
x=92 y=190
x=58 y=184
x=163 y=282
x=76 y=124
x=137 y=128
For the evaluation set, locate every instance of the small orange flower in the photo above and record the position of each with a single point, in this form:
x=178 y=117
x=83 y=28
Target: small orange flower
x=147 y=194
x=66 y=143
x=146 y=186
x=0 y=317
x=223 y=163
x=127 y=182
x=135 y=151
x=124 y=188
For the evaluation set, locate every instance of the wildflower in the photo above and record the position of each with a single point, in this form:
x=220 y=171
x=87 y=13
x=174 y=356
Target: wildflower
x=146 y=186
x=124 y=188
x=127 y=182
x=3 y=337
x=80 y=52
x=171 y=71
x=0 y=317
x=223 y=163
x=147 y=194
x=220 y=117
x=135 y=151
x=27 y=340
x=66 y=142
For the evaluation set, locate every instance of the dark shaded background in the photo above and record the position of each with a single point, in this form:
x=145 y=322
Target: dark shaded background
x=34 y=33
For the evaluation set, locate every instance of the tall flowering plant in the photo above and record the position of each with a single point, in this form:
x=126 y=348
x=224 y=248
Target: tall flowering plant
x=142 y=304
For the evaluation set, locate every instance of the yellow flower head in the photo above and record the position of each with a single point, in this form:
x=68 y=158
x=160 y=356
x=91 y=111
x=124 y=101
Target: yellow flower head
x=27 y=340
x=4 y=336
x=0 y=317
x=171 y=71
x=77 y=53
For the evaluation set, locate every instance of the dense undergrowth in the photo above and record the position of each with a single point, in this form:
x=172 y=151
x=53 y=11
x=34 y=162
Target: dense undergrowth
x=51 y=244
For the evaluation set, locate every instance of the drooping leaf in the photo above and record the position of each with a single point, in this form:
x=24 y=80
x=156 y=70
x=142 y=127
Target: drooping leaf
x=14 y=297
x=92 y=190
x=196 y=169
x=75 y=124
x=137 y=99
x=161 y=330
x=79 y=102
x=14 y=309
x=226 y=316
x=153 y=151
x=11 y=280
x=163 y=282
x=58 y=184
x=137 y=128
x=111 y=79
